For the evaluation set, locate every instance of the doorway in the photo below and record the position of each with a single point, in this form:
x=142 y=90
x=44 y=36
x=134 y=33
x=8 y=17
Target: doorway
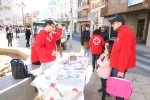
x=140 y=29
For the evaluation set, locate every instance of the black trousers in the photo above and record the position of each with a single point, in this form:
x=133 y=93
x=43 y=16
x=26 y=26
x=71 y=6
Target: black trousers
x=104 y=88
x=68 y=36
x=9 y=39
x=28 y=41
x=95 y=57
x=36 y=63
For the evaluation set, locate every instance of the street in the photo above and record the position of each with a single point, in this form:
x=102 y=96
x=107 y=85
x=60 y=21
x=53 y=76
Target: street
x=137 y=75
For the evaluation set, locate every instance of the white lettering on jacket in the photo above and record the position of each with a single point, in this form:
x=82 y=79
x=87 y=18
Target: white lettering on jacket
x=117 y=40
x=49 y=37
x=96 y=40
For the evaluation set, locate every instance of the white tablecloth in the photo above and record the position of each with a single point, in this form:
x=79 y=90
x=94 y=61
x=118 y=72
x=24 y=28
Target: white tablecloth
x=70 y=81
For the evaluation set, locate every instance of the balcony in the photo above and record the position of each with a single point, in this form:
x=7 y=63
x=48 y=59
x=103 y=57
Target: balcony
x=64 y=19
x=144 y=5
x=83 y=6
x=104 y=12
x=84 y=18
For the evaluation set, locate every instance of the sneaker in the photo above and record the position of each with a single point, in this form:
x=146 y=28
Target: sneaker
x=100 y=90
x=101 y=97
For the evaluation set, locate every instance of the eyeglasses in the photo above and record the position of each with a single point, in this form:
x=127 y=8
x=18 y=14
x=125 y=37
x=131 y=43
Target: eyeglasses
x=52 y=26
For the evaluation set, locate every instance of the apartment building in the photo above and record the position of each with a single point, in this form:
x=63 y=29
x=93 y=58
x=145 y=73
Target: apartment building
x=136 y=13
x=10 y=13
x=31 y=17
x=66 y=7
x=83 y=11
x=1 y=21
x=96 y=6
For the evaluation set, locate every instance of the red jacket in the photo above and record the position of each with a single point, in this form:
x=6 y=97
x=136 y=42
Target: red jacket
x=45 y=45
x=34 y=54
x=96 y=43
x=123 y=54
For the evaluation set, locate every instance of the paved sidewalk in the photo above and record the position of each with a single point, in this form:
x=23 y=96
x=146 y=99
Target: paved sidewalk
x=141 y=84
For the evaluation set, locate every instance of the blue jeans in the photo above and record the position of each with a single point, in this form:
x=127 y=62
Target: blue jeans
x=87 y=52
x=95 y=57
x=114 y=74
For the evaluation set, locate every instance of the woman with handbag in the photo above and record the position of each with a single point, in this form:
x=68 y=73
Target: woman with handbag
x=85 y=37
x=9 y=36
x=104 y=68
x=96 y=43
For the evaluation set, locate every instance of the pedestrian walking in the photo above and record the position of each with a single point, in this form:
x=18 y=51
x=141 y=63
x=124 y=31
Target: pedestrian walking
x=67 y=33
x=123 y=55
x=9 y=36
x=17 y=32
x=104 y=68
x=28 y=34
x=45 y=44
x=96 y=43
x=85 y=37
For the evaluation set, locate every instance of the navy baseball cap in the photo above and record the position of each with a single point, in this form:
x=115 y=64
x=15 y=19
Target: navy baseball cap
x=118 y=18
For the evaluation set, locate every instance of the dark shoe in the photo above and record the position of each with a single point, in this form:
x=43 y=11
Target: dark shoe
x=93 y=70
x=108 y=95
x=100 y=90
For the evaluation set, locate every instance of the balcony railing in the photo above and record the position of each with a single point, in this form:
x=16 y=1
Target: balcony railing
x=104 y=11
x=84 y=18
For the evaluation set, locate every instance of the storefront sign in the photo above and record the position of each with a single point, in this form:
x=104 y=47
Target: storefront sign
x=134 y=2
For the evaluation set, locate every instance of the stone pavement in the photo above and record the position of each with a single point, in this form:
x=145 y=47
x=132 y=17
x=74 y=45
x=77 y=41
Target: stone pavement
x=141 y=84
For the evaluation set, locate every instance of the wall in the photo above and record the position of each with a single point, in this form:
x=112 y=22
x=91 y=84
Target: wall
x=144 y=16
x=132 y=21
x=117 y=8
x=148 y=37
x=100 y=19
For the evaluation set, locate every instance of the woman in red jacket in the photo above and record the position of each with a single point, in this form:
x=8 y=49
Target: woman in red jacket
x=96 y=43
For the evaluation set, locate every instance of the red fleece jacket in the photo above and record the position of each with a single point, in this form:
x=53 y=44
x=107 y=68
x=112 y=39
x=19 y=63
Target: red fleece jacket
x=123 y=54
x=45 y=45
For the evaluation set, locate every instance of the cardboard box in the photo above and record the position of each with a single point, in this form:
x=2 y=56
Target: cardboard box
x=73 y=58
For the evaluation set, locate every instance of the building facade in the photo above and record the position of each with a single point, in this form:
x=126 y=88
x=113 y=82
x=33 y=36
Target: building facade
x=136 y=13
x=31 y=17
x=50 y=11
x=97 y=21
x=10 y=13
x=83 y=12
x=66 y=7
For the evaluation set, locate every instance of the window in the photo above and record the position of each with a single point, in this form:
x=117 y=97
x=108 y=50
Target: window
x=80 y=14
x=79 y=3
x=122 y=1
x=113 y=3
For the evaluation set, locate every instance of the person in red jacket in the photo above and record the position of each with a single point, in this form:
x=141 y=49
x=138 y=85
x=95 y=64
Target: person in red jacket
x=96 y=43
x=34 y=56
x=123 y=55
x=45 y=44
